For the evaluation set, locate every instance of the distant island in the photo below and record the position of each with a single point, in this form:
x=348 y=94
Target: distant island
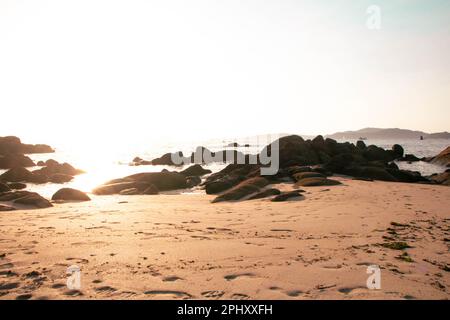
x=389 y=133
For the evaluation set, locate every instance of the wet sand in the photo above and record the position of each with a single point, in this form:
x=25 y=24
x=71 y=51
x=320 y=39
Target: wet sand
x=184 y=247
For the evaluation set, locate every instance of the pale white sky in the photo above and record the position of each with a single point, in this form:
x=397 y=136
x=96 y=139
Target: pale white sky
x=136 y=70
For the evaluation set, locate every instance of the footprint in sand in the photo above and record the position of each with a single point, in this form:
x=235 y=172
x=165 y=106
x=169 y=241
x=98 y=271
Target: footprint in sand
x=171 y=279
x=347 y=290
x=235 y=276
x=26 y=296
x=73 y=293
x=240 y=296
x=294 y=293
x=213 y=294
x=105 y=289
x=175 y=294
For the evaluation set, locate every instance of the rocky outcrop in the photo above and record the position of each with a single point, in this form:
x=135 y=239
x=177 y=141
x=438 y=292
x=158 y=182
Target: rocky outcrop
x=314 y=182
x=13 y=145
x=69 y=194
x=60 y=178
x=4 y=187
x=230 y=176
x=17 y=185
x=15 y=160
x=26 y=198
x=284 y=196
x=195 y=170
x=162 y=181
x=442 y=158
x=4 y=207
x=265 y=193
x=441 y=178
x=243 y=189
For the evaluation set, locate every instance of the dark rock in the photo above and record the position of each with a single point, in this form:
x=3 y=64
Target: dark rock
x=266 y=193
x=129 y=192
x=287 y=195
x=243 y=189
x=302 y=175
x=195 y=170
x=26 y=198
x=441 y=178
x=377 y=173
x=40 y=163
x=230 y=176
x=150 y=190
x=442 y=158
x=52 y=167
x=214 y=187
x=373 y=153
x=13 y=145
x=60 y=178
x=409 y=158
x=360 y=144
x=163 y=181
x=69 y=194
x=193 y=181
x=16 y=175
x=296 y=169
x=166 y=159
x=398 y=150
x=4 y=187
x=317 y=181
x=116 y=188
x=4 y=207
x=15 y=160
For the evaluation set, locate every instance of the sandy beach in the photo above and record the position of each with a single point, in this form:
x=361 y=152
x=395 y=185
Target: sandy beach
x=184 y=247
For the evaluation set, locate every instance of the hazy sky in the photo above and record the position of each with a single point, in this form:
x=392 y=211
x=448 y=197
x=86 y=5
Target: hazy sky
x=130 y=70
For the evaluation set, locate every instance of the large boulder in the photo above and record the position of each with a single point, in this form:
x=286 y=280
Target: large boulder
x=284 y=196
x=116 y=188
x=60 y=178
x=398 y=151
x=441 y=178
x=16 y=174
x=17 y=185
x=4 y=207
x=442 y=158
x=166 y=159
x=372 y=172
x=26 y=198
x=4 y=187
x=265 y=193
x=163 y=181
x=69 y=194
x=195 y=170
x=243 y=189
x=13 y=145
x=317 y=181
x=230 y=176
x=52 y=167
x=302 y=175
x=15 y=160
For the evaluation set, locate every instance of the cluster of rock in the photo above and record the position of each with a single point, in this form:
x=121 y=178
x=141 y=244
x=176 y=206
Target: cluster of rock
x=12 y=152
x=150 y=183
x=12 y=182
x=196 y=157
x=51 y=171
x=306 y=162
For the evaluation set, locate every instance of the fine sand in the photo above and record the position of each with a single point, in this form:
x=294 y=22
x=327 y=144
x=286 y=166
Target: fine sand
x=184 y=247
